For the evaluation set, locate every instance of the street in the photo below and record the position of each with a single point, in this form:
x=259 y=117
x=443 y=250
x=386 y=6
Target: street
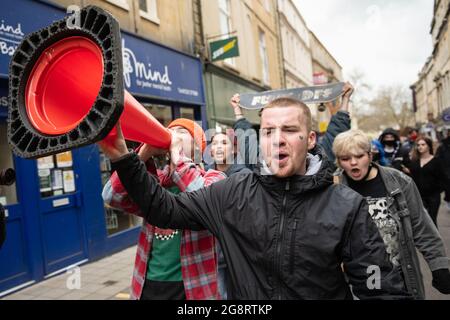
x=109 y=278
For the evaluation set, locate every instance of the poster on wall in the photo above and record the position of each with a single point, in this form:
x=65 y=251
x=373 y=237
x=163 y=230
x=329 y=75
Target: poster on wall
x=64 y=159
x=68 y=181
x=45 y=163
x=57 y=182
x=45 y=181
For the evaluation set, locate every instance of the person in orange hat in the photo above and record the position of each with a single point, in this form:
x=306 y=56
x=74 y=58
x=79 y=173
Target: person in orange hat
x=173 y=264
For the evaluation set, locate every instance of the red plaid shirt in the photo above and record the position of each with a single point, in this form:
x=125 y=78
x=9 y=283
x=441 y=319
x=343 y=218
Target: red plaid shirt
x=198 y=248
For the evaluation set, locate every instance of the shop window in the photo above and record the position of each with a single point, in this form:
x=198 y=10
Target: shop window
x=187 y=113
x=56 y=174
x=162 y=113
x=8 y=194
x=148 y=10
x=116 y=219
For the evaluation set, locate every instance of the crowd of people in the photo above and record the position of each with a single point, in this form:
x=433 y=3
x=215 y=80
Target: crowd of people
x=283 y=216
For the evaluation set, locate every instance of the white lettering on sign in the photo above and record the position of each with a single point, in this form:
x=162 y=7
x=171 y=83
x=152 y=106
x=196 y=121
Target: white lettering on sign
x=188 y=92
x=10 y=37
x=3 y=101
x=6 y=213
x=6 y=49
x=11 y=29
x=146 y=75
x=61 y=202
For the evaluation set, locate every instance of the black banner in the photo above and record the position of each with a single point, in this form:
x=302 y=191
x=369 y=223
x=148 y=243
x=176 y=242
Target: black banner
x=308 y=95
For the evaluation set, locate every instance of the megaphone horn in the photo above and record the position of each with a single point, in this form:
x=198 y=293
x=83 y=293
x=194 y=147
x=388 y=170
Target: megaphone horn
x=66 y=89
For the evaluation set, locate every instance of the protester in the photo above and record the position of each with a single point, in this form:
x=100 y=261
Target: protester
x=443 y=153
x=339 y=122
x=407 y=148
x=172 y=263
x=285 y=229
x=393 y=154
x=429 y=175
x=397 y=210
x=224 y=153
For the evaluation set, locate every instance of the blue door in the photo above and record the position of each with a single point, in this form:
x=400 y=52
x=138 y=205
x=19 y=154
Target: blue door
x=60 y=211
x=14 y=254
x=15 y=268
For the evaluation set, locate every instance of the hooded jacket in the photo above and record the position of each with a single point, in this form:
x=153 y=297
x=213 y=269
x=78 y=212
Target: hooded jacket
x=397 y=158
x=281 y=238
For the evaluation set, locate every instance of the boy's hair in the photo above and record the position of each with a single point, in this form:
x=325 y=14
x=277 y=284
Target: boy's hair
x=290 y=102
x=350 y=142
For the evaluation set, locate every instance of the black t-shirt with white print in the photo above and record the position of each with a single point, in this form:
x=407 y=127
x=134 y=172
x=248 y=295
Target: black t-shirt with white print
x=376 y=195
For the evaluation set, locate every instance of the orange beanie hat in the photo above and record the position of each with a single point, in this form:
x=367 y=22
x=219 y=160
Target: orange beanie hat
x=194 y=129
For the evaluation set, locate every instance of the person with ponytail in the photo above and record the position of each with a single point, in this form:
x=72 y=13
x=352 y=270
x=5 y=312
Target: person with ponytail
x=396 y=208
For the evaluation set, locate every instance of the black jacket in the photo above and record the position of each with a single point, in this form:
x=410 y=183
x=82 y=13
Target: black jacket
x=282 y=238
x=430 y=179
x=443 y=153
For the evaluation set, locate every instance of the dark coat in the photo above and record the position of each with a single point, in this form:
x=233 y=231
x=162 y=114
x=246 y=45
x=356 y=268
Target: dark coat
x=281 y=238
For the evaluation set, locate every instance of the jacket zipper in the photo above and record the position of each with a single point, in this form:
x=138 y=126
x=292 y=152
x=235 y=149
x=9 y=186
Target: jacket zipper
x=292 y=255
x=280 y=240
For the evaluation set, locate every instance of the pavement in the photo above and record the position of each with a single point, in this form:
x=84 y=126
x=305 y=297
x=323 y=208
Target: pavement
x=105 y=279
x=110 y=278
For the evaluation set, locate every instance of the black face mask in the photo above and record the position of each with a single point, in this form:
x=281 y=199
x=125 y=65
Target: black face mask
x=389 y=143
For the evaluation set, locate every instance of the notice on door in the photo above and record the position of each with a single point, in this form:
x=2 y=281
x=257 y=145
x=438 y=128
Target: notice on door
x=64 y=159
x=69 y=181
x=45 y=180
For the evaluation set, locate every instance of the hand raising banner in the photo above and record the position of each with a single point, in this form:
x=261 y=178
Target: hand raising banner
x=308 y=95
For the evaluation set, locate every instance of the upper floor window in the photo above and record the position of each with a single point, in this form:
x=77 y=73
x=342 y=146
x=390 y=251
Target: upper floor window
x=225 y=23
x=120 y=3
x=148 y=10
x=263 y=56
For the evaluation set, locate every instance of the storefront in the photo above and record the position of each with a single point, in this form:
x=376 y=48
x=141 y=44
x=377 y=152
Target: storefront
x=221 y=85
x=56 y=216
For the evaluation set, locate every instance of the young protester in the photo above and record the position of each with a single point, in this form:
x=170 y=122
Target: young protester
x=284 y=228
x=172 y=263
x=443 y=153
x=390 y=140
x=429 y=175
x=397 y=210
x=339 y=122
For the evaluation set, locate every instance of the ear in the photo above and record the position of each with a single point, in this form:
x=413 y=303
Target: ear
x=311 y=140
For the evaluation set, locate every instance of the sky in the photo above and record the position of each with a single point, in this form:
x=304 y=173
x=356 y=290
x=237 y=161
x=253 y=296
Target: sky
x=388 y=40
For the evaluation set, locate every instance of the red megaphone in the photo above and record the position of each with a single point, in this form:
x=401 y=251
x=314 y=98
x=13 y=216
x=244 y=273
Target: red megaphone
x=66 y=89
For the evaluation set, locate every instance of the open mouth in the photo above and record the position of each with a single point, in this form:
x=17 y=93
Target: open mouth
x=281 y=157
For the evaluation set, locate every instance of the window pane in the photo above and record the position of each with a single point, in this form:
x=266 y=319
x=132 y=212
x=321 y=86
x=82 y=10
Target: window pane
x=263 y=55
x=56 y=175
x=8 y=194
x=161 y=112
x=187 y=113
x=143 y=5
